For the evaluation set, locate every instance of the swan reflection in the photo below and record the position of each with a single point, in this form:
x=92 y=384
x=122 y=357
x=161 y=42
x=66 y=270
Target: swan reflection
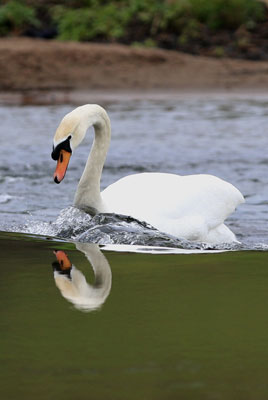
x=72 y=283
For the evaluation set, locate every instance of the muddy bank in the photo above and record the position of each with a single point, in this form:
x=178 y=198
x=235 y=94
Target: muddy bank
x=30 y=65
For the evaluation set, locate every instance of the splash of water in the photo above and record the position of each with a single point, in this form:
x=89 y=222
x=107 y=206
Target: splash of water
x=113 y=229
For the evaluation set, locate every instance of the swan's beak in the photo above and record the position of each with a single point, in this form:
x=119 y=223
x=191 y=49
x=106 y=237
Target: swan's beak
x=62 y=165
x=64 y=262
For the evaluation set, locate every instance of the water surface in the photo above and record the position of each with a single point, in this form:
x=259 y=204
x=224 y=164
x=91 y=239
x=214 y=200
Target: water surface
x=167 y=327
x=121 y=322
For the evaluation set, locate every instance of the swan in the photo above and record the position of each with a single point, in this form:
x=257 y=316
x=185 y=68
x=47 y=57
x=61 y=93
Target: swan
x=192 y=207
x=72 y=283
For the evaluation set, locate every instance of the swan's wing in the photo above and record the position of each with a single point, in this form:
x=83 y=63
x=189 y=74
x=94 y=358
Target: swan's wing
x=171 y=197
x=208 y=197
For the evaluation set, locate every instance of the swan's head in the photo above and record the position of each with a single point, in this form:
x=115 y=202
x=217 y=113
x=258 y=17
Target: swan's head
x=67 y=137
x=71 y=132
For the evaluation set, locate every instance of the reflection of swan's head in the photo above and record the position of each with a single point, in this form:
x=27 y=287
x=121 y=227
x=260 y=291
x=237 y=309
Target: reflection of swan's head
x=71 y=132
x=72 y=282
x=63 y=265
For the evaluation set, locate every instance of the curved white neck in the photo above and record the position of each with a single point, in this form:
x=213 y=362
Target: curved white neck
x=88 y=191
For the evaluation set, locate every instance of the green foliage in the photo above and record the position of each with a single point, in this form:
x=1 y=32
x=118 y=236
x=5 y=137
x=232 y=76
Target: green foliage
x=149 y=43
x=105 y=19
x=218 y=51
x=226 y=14
x=189 y=31
x=100 y=20
x=177 y=24
x=16 y=16
x=112 y=19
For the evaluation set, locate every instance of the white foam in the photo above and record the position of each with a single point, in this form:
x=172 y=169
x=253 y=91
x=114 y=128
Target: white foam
x=5 y=198
x=126 y=248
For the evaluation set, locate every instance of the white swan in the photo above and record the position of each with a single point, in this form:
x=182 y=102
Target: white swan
x=193 y=207
x=72 y=283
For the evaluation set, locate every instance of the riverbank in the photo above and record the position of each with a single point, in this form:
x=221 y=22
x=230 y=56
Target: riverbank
x=30 y=65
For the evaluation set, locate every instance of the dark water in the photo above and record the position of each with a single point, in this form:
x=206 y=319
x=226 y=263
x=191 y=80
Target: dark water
x=154 y=327
x=217 y=134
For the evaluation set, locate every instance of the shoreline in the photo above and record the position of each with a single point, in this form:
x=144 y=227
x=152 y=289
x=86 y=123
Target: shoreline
x=76 y=97
x=34 y=70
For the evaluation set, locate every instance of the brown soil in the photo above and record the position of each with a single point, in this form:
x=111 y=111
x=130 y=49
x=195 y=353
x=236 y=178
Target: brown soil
x=34 y=65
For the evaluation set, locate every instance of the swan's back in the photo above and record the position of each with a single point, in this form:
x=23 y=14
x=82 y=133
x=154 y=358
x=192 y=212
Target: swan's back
x=185 y=206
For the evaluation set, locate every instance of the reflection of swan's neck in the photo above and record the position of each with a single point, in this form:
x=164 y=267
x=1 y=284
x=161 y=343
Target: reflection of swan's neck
x=101 y=268
x=88 y=190
x=83 y=295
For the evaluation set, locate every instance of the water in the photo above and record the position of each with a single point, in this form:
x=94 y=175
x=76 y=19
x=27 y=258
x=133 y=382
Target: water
x=158 y=318
x=221 y=135
x=170 y=326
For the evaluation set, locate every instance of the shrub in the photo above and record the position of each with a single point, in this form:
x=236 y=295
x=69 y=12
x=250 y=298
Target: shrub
x=16 y=16
x=227 y=14
x=105 y=21
x=188 y=25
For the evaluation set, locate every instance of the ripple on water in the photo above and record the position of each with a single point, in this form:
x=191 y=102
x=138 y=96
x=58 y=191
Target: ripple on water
x=113 y=229
x=6 y=198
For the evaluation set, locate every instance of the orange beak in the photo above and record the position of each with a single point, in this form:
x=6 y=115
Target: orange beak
x=62 y=165
x=63 y=260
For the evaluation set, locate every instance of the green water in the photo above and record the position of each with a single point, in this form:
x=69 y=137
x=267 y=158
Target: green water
x=171 y=327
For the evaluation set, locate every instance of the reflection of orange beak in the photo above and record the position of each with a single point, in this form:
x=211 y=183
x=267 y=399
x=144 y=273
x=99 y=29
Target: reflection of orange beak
x=62 y=165
x=63 y=260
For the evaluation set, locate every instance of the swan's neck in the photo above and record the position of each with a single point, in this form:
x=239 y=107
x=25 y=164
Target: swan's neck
x=88 y=195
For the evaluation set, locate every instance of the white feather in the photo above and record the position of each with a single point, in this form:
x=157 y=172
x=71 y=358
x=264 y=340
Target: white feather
x=193 y=207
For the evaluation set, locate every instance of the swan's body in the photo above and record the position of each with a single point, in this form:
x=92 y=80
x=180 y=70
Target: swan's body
x=193 y=207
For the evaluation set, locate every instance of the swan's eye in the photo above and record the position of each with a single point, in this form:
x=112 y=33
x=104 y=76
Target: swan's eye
x=65 y=145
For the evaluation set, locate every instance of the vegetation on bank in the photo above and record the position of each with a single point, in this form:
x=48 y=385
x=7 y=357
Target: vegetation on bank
x=237 y=28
